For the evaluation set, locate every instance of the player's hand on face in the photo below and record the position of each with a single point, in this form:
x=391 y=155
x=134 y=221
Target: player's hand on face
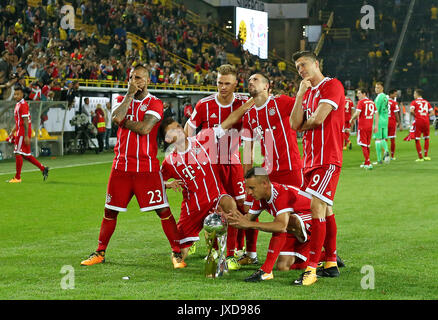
x=304 y=85
x=132 y=86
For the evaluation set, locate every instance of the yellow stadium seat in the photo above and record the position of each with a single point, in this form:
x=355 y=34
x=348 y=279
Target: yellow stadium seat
x=43 y=134
x=33 y=134
x=3 y=135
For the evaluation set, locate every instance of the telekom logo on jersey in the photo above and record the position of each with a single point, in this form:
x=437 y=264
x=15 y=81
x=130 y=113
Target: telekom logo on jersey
x=220 y=148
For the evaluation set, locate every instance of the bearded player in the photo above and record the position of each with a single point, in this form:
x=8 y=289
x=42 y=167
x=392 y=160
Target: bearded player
x=136 y=169
x=268 y=122
x=208 y=114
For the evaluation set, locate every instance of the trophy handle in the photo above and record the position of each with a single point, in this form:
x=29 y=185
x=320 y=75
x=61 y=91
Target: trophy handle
x=222 y=266
x=210 y=263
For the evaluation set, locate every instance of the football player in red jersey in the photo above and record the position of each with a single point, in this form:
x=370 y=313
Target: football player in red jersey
x=268 y=122
x=196 y=172
x=209 y=113
x=365 y=111
x=21 y=135
x=349 y=106
x=319 y=113
x=421 y=110
x=290 y=208
x=136 y=169
x=394 y=122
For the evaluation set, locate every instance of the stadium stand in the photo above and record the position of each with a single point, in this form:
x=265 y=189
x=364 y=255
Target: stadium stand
x=112 y=36
x=361 y=57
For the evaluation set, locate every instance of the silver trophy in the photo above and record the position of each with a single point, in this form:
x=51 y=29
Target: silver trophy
x=216 y=226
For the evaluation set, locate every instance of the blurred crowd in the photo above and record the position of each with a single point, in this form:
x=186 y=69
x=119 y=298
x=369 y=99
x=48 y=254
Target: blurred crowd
x=33 y=43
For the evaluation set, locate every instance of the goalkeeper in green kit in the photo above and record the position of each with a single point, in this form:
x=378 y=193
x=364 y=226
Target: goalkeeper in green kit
x=380 y=128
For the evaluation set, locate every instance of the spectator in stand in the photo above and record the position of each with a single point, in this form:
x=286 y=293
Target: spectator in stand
x=108 y=124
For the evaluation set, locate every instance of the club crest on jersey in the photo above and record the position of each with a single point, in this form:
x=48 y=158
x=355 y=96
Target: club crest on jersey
x=271 y=111
x=143 y=107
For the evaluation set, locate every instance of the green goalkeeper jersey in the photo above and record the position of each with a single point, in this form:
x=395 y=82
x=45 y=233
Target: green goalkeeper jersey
x=381 y=102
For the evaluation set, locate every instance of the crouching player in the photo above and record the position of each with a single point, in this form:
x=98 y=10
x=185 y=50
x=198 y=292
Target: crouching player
x=291 y=226
x=191 y=168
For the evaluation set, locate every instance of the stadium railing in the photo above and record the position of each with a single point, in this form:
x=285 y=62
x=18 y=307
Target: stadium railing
x=139 y=41
x=324 y=33
x=88 y=83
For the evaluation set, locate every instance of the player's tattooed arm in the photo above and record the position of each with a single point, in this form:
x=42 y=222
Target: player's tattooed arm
x=142 y=127
x=119 y=112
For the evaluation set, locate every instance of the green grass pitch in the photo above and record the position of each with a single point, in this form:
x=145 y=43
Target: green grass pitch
x=387 y=222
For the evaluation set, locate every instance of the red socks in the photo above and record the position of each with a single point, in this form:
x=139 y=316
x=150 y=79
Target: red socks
x=251 y=239
x=107 y=228
x=316 y=241
x=240 y=239
x=366 y=155
x=18 y=166
x=275 y=245
x=418 y=146
x=231 y=240
x=392 y=147
x=169 y=227
x=330 y=239
x=426 y=147
x=346 y=138
x=34 y=161
x=167 y=222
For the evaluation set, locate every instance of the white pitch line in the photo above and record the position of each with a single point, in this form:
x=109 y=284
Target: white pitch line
x=63 y=167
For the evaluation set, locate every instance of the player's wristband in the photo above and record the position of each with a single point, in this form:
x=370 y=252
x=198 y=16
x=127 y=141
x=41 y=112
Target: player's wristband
x=122 y=123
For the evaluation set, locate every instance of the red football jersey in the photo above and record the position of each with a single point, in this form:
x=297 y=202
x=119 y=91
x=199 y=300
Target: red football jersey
x=323 y=144
x=193 y=166
x=209 y=113
x=392 y=109
x=22 y=111
x=367 y=110
x=135 y=152
x=270 y=123
x=284 y=199
x=421 y=108
x=349 y=105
